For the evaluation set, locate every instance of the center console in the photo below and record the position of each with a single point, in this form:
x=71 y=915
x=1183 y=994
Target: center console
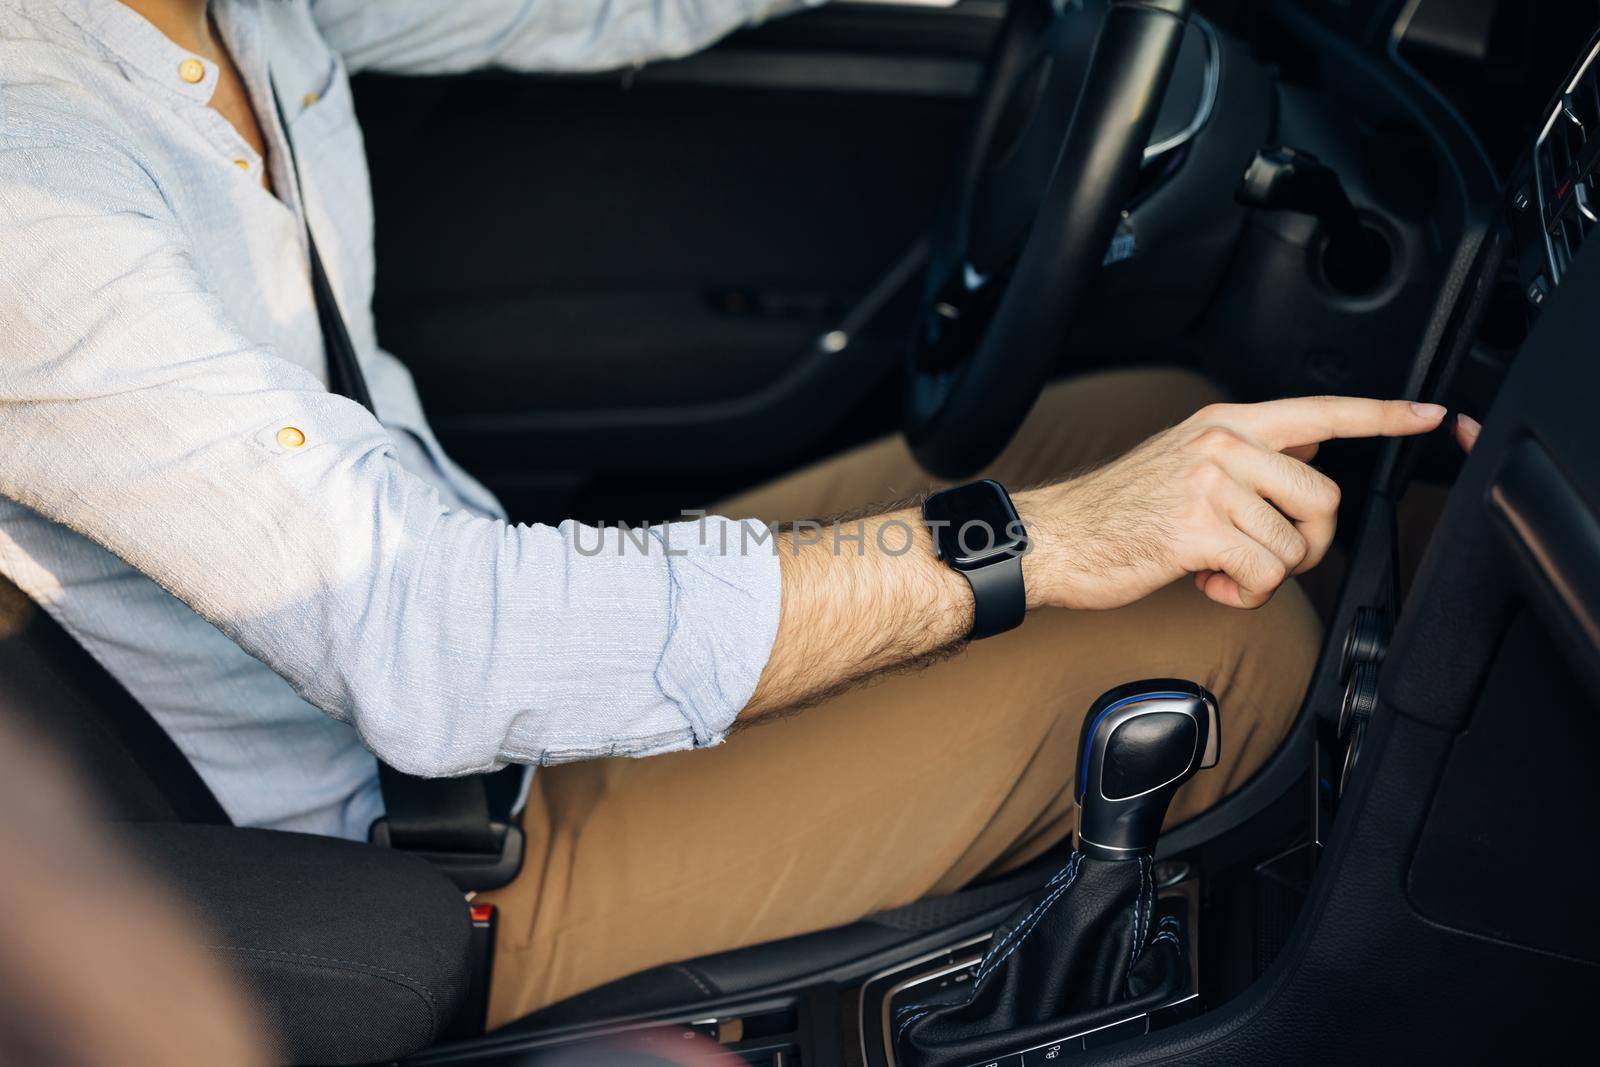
x=1099 y=951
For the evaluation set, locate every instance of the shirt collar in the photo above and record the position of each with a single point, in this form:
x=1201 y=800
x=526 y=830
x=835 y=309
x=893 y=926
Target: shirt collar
x=145 y=51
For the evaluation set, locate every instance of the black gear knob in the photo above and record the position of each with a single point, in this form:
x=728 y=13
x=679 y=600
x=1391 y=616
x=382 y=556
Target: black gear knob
x=1140 y=742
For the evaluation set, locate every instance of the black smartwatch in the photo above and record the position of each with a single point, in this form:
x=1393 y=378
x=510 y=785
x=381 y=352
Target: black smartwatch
x=977 y=532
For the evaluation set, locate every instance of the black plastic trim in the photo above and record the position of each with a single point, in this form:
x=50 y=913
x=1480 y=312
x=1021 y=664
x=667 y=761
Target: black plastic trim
x=1554 y=536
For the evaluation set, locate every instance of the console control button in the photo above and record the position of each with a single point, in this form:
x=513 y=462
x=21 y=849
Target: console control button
x=1054 y=1053
x=1360 y=697
x=1013 y=1060
x=1538 y=289
x=1367 y=640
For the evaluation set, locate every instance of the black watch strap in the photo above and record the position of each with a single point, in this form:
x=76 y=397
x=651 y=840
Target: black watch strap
x=999 y=599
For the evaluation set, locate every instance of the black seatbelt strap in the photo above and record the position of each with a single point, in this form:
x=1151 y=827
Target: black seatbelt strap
x=445 y=820
x=344 y=373
x=344 y=370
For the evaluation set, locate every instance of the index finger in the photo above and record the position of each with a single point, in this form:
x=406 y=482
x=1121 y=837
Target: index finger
x=1306 y=420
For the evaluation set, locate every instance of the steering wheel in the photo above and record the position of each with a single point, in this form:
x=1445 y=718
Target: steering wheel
x=1064 y=110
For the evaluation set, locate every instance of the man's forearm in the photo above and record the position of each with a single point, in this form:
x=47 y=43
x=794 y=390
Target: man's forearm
x=853 y=608
x=864 y=596
x=427 y=37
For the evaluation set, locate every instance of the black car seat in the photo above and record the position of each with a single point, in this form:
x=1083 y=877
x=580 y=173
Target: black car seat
x=336 y=986
x=332 y=987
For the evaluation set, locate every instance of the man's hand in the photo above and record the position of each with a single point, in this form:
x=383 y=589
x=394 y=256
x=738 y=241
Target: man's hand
x=1226 y=495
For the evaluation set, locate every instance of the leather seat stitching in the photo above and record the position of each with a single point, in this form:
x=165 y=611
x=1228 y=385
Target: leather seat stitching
x=1025 y=928
x=689 y=974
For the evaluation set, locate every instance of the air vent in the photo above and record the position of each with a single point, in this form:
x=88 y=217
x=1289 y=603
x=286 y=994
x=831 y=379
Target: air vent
x=1564 y=160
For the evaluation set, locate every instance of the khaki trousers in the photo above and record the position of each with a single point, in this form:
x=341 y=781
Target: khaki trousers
x=912 y=786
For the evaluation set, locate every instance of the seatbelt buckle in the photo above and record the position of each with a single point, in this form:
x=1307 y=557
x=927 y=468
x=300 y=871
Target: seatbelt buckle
x=473 y=1018
x=471 y=871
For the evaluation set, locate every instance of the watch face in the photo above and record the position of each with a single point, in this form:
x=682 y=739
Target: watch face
x=973 y=524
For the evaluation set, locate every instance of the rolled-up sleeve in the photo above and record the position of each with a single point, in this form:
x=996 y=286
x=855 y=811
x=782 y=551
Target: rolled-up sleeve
x=133 y=412
x=429 y=37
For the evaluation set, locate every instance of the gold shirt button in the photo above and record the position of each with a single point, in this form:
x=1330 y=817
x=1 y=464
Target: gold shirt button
x=291 y=437
x=311 y=98
x=192 y=71
x=242 y=164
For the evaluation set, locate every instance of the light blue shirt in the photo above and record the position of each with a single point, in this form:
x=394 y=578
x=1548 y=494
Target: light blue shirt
x=287 y=583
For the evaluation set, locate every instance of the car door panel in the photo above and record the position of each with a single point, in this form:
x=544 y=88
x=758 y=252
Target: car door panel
x=618 y=277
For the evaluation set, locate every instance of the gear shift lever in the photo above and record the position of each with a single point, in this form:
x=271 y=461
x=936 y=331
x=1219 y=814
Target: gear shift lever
x=1095 y=945
x=1140 y=742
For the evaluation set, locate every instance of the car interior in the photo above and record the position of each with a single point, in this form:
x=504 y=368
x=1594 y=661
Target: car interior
x=631 y=293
